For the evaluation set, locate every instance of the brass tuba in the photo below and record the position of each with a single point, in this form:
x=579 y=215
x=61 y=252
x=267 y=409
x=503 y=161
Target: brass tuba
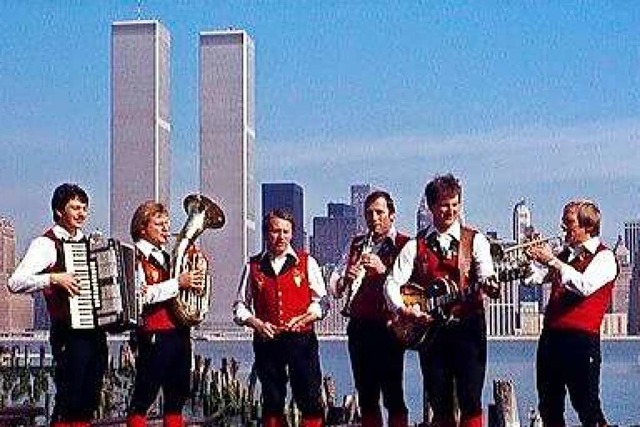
x=191 y=305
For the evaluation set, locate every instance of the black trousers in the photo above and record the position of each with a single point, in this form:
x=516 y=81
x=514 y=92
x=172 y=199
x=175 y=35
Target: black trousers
x=377 y=362
x=457 y=355
x=80 y=358
x=569 y=360
x=294 y=357
x=163 y=361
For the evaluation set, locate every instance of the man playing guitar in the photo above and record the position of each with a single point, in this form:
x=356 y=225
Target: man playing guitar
x=454 y=259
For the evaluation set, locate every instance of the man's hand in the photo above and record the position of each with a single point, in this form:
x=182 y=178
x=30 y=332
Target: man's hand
x=298 y=323
x=373 y=262
x=414 y=314
x=541 y=253
x=264 y=329
x=65 y=281
x=193 y=279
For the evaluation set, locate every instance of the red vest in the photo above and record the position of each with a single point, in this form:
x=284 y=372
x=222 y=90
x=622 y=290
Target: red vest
x=57 y=299
x=569 y=311
x=429 y=266
x=369 y=302
x=155 y=317
x=280 y=297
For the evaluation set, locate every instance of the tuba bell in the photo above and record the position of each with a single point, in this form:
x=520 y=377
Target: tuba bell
x=191 y=305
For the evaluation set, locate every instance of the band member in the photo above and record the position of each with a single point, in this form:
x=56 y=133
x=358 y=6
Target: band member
x=455 y=360
x=281 y=294
x=80 y=355
x=582 y=278
x=164 y=348
x=377 y=358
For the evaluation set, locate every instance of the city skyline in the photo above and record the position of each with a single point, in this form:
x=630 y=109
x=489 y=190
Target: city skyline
x=527 y=101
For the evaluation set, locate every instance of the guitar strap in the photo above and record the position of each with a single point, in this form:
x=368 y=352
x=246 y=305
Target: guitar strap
x=465 y=255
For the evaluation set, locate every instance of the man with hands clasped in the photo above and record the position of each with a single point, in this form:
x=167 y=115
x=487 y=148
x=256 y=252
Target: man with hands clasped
x=281 y=295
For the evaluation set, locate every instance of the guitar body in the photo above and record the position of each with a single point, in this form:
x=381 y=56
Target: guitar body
x=433 y=300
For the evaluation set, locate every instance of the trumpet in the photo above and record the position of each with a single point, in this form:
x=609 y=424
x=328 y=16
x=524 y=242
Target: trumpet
x=512 y=263
x=367 y=248
x=498 y=252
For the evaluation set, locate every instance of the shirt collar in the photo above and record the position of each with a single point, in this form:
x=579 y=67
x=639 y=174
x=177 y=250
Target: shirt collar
x=288 y=251
x=591 y=244
x=454 y=230
x=62 y=234
x=147 y=248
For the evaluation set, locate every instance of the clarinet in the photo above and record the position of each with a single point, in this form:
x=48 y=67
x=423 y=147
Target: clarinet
x=354 y=286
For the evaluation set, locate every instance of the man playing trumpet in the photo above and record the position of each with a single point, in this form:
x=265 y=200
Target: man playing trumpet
x=377 y=358
x=582 y=278
x=281 y=295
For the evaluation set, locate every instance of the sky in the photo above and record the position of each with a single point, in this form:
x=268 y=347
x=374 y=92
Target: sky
x=520 y=100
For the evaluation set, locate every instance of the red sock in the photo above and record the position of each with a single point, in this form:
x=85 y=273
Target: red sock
x=173 y=420
x=137 y=420
x=471 y=421
x=311 y=421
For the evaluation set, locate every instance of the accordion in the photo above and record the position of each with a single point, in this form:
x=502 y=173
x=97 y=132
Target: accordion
x=105 y=270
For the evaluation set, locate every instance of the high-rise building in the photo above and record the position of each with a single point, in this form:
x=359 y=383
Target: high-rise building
x=227 y=134
x=16 y=309
x=140 y=119
x=7 y=246
x=424 y=218
x=632 y=239
x=359 y=193
x=521 y=222
x=332 y=234
x=288 y=196
x=621 y=290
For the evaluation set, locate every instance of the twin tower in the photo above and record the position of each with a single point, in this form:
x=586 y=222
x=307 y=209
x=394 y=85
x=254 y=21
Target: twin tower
x=141 y=140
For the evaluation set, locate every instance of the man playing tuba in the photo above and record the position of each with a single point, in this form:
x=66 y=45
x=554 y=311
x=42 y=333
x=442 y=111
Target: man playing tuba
x=164 y=347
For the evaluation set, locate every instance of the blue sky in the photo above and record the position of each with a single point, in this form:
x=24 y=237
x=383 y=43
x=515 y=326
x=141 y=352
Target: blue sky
x=535 y=100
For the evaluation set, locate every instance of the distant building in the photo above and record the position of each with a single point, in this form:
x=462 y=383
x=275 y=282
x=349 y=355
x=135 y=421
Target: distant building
x=7 y=246
x=140 y=119
x=632 y=239
x=332 y=234
x=287 y=196
x=424 y=218
x=622 y=288
x=359 y=193
x=227 y=158
x=16 y=309
x=521 y=222
x=530 y=319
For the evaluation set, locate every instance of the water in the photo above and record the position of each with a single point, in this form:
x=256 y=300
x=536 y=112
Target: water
x=513 y=360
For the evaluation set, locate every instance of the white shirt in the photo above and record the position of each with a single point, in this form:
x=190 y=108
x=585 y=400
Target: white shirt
x=29 y=276
x=403 y=265
x=243 y=306
x=158 y=292
x=602 y=269
x=338 y=273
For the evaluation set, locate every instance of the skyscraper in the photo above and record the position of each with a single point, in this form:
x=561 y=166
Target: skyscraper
x=287 y=196
x=424 y=218
x=227 y=133
x=359 y=193
x=16 y=309
x=632 y=240
x=332 y=234
x=521 y=221
x=140 y=120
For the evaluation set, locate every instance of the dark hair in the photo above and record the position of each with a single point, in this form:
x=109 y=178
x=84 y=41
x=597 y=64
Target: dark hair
x=63 y=194
x=143 y=215
x=442 y=185
x=277 y=213
x=372 y=197
x=587 y=214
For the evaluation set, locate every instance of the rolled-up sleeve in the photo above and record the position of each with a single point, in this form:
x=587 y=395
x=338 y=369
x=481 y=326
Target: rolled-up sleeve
x=482 y=255
x=242 y=307
x=600 y=271
x=159 y=292
x=28 y=276
x=399 y=275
